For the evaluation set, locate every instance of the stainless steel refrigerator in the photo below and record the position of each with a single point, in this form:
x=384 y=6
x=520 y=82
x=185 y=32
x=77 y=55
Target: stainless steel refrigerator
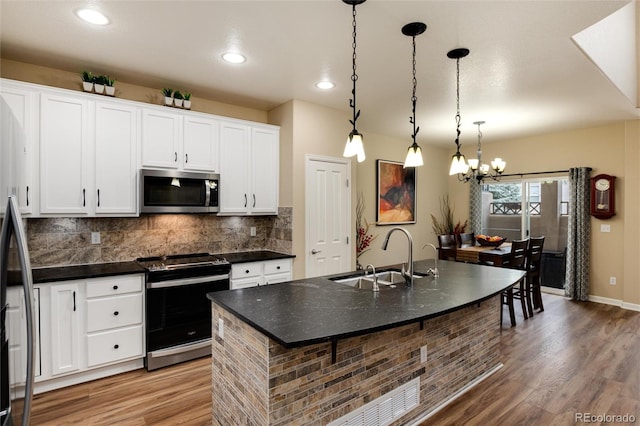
x=16 y=393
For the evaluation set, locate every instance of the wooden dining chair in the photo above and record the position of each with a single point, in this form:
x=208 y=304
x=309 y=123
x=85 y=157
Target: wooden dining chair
x=517 y=260
x=534 y=259
x=466 y=240
x=447 y=246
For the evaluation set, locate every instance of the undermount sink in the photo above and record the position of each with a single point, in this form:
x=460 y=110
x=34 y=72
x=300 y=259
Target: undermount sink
x=386 y=279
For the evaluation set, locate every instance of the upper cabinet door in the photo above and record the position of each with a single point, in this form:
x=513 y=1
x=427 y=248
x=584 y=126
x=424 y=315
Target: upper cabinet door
x=264 y=171
x=234 y=182
x=115 y=158
x=19 y=136
x=201 y=144
x=64 y=155
x=161 y=139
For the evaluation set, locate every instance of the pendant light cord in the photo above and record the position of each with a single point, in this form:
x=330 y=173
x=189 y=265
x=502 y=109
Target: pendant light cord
x=458 y=103
x=354 y=76
x=412 y=119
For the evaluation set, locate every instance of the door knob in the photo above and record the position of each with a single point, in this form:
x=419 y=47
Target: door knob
x=314 y=251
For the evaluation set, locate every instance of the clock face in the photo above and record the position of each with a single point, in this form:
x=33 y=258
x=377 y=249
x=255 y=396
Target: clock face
x=602 y=184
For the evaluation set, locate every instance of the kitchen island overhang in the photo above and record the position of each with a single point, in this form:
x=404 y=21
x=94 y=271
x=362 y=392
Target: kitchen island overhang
x=272 y=352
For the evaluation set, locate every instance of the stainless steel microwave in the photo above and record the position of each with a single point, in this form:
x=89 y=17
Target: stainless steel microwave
x=172 y=191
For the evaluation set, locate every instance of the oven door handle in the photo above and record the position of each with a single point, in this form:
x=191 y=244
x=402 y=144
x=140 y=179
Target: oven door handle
x=181 y=348
x=187 y=281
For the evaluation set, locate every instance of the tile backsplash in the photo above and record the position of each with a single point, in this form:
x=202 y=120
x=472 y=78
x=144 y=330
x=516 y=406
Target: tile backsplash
x=67 y=241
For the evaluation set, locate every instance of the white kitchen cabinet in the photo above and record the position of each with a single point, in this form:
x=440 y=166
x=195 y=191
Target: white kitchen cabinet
x=178 y=140
x=201 y=144
x=17 y=333
x=18 y=140
x=65 y=154
x=249 y=172
x=114 y=319
x=253 y=274
x=66 y=310
x=116 y=139
x=161 y=138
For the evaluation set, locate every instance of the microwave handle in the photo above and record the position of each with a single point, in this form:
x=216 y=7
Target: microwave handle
x=207 y=192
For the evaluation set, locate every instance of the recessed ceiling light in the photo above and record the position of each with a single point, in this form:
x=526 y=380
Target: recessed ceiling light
x=325 y=85
x=92 y=16
x=234 y=58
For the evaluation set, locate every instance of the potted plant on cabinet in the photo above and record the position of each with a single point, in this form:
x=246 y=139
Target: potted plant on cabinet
x=167 y=92
x=109 y=86
x=98 y=83
x=87 y=81
x=187 y=100
x=177 y=99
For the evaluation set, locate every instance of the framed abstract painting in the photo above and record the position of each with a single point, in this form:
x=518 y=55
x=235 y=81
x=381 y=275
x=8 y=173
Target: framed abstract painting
x=396 y=193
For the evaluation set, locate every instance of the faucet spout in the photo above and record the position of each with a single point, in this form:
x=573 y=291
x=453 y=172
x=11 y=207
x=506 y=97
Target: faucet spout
x=433 y=271
x=376 y=287
x=408 y=276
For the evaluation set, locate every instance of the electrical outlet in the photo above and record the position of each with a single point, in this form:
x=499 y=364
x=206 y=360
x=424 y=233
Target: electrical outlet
x=253 y=231
x=612 y=280
x=423 y=353
x=605 y=228
x=95 y=238
x=221 y=328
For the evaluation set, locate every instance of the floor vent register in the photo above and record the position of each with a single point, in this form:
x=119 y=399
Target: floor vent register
x=386 y=409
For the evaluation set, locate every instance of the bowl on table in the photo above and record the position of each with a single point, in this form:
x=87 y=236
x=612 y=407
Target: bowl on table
x=490 y=241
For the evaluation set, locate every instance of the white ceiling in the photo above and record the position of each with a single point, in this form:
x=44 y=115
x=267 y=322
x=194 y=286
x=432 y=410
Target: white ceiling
x=524 y=75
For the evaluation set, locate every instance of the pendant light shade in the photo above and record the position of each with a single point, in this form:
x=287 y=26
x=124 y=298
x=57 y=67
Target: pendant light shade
x=414 y=154
x=354 y=145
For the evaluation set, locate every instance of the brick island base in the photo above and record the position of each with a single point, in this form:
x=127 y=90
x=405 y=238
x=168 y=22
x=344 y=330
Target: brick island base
x=256 y=381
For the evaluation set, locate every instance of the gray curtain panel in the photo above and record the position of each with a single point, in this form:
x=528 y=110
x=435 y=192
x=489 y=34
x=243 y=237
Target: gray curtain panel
x=579 y=238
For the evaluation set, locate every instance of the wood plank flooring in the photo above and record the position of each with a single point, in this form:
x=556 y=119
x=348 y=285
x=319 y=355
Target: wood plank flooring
x=572 y=358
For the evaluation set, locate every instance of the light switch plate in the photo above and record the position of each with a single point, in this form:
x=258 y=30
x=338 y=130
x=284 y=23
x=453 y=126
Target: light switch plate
x=95 y=238
x=221 y=328
x=605 y=228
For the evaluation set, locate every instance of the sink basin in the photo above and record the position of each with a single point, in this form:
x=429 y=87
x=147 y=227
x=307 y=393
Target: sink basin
x=386 y=279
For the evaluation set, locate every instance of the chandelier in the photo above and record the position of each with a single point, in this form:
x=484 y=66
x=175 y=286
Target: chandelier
x=414 y=154
x=477 y=169
x=354 y=144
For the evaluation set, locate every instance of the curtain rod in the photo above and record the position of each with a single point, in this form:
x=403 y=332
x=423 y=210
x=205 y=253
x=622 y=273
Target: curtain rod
x=540 y=173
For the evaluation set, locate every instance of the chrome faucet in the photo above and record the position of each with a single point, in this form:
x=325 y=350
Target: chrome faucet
x=408 y=276
x=433 y=271
x=375 y=277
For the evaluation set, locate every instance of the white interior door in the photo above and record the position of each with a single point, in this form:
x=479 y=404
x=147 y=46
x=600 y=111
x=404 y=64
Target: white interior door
x=328 y=216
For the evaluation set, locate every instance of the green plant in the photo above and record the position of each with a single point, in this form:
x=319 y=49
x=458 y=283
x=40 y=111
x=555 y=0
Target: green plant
x=187 y=96
x=447 y=226
x=110 y=81
x=87 y=76
x=177 y=95
x=167 y=92
x=100 y=79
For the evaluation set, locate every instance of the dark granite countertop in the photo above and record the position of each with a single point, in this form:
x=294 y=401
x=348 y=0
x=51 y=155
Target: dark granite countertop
x=79 y=272
x=254 y=256
x=315 y=310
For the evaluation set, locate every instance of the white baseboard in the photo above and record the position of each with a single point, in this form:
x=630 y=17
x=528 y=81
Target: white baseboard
x=597 y=299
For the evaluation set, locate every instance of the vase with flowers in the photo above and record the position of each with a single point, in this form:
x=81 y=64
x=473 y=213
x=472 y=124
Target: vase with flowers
x=446 y=226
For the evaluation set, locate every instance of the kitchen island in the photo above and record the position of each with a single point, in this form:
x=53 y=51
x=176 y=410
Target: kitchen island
x=312 y=351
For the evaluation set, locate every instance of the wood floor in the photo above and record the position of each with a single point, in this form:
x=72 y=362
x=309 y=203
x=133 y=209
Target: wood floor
x=572 y=358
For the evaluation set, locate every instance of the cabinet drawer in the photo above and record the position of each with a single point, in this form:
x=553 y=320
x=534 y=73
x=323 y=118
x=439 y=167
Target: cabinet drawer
x=115 y=345
x=245 y=283
x=277 y=278
x=109 y=286
x=113 y=312
x=245 y=270
x=277 y=266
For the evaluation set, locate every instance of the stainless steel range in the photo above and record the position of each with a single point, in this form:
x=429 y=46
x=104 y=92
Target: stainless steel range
x=178 y=313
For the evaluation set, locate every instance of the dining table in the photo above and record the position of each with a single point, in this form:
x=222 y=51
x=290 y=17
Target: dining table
x=496 y=256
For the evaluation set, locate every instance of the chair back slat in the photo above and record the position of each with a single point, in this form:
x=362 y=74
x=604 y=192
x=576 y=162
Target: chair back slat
x=466 y=240
x=518 y=255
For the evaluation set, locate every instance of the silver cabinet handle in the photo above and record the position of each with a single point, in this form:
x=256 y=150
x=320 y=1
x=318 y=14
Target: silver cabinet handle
x=314 y=251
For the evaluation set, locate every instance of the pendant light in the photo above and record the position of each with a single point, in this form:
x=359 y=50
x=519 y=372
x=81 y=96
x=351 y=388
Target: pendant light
x=458 y=163
x=478 y=170
x=354 y=144
x=414 y=154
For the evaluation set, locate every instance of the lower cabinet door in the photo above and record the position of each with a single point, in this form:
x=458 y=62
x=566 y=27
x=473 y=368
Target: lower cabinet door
x=117 y=345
